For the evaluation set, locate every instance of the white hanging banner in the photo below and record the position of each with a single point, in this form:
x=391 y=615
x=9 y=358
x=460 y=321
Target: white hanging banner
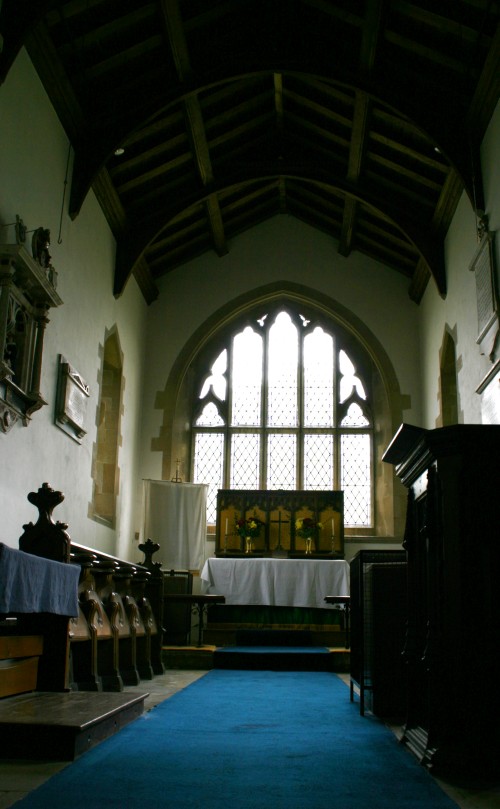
x=175 y=516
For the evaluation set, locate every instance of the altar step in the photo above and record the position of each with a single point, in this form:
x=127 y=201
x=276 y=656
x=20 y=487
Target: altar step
x=59 y=726
x=275 y=637
x=225 y=634
x=276 y=658
x=204 y=658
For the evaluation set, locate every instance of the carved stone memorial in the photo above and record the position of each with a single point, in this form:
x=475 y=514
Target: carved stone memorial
x=26 y=295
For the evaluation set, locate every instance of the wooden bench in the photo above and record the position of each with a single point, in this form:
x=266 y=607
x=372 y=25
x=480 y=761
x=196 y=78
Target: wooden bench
x=117 y=637
x=48 y=655
x=113 y=633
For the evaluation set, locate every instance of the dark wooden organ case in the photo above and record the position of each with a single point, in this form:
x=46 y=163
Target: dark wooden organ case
x=452 y=541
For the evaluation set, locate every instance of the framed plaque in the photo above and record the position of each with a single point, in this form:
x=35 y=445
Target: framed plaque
x=486 y=294
x=71 y=403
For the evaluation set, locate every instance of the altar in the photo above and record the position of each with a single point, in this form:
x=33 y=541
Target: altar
x=276 y=582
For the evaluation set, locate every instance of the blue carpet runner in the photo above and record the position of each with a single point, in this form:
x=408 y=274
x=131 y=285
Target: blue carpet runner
x=248 y=740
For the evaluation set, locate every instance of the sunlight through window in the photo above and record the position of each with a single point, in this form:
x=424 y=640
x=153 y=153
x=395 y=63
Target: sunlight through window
x=299 y=415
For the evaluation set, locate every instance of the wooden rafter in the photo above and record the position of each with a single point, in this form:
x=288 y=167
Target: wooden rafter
x=362 y=109
x=194 y=119
x=131 y=250
x=17 y=20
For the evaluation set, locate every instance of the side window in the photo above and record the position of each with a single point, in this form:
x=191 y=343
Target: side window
x=105 y=469
x=448 y=382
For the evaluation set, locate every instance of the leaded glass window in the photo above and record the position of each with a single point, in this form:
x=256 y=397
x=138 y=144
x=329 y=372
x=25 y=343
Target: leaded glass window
x=284 y=405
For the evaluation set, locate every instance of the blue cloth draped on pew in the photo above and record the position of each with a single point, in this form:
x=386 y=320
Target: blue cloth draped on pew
x=31 y=584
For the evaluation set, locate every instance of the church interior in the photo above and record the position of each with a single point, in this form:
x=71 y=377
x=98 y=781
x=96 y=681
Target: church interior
x=249 y=322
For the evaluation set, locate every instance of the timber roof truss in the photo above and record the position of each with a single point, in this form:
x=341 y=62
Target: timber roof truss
x=194 y=120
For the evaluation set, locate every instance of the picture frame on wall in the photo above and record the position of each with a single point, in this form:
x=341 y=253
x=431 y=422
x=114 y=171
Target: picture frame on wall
x=483 y=267
x=488 y=306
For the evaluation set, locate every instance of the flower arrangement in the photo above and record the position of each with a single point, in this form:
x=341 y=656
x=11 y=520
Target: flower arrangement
x=249 y=527
x=307 y=527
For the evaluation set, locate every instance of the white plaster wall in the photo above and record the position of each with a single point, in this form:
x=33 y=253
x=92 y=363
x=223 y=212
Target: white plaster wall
x=458 y=311
x=281 y=249
x=33 y=157
x=490 y=155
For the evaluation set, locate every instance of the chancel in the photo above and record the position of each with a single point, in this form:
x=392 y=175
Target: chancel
x=250 y=384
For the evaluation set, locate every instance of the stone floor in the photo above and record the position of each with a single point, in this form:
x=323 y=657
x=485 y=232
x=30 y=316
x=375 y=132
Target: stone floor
x=17 y=778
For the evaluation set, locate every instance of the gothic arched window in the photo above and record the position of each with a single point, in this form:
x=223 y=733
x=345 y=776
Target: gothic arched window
x=283 y=405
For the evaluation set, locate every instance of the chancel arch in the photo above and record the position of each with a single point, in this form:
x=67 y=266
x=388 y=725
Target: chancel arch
x=370 y=411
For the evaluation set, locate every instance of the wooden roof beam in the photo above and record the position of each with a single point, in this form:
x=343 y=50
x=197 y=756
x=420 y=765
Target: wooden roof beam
x=354 y=171
x=194 y=121
x=443 y=126
x=17 y=20
x=369 y=43
x=47 y=63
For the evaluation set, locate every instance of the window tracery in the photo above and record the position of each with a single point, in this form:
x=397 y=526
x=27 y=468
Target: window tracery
x=283 y=405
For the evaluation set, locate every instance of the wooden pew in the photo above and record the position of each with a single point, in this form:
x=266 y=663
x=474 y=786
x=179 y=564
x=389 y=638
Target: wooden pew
x=94 y=666
x=115 y=636
x=121 y=604
x=41 y=645
x=37 y=598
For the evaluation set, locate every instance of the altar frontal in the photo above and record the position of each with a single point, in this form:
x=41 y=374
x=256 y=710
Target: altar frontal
x=276 y=582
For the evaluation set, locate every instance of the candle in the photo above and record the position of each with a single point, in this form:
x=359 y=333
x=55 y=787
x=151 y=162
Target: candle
x=333 y=528
x=226 y=525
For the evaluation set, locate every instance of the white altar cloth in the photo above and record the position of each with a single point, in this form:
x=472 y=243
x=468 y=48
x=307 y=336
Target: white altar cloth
x=276 y=582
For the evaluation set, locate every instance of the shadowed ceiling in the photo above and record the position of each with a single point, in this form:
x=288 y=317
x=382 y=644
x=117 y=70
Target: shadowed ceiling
x=194 y=120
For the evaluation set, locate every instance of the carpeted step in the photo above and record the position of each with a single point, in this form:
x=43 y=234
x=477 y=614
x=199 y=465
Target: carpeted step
x=273 y=637
x=274 y=658
x=225 y=634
